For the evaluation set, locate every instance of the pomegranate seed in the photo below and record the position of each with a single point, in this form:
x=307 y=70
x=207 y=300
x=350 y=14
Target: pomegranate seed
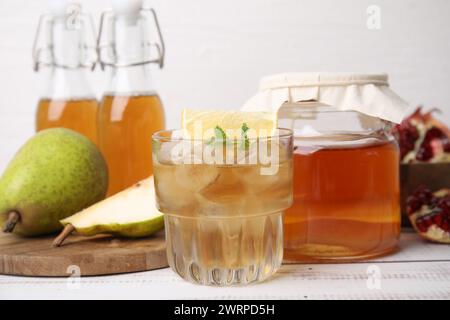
x=421 y=226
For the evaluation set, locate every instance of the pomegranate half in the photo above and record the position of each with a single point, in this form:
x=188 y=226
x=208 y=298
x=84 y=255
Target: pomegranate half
x=429 y=214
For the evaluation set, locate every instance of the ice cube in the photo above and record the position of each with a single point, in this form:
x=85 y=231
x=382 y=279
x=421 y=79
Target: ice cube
x=256 y=182
x=170 y=152
x=195 y=177
x=223 y=207
x=170 y=194
x=227 y=188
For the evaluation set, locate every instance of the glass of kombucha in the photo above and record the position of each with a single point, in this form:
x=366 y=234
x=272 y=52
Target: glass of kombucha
x=223 y=220
x=346 y=185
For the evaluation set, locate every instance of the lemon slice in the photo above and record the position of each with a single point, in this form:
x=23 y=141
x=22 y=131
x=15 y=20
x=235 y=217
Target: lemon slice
x=200 y=124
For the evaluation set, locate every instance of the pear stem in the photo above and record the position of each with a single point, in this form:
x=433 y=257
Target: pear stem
x=13 y=219
x=68 y=229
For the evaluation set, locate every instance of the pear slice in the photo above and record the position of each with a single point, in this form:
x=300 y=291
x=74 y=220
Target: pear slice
x=131 y=213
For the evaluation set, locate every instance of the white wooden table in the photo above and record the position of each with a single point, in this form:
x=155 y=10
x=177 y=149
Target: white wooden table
x=419 y=270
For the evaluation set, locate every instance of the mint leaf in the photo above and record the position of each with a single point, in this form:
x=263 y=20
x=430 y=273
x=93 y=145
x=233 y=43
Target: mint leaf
x=245 y=128
x=219 y=138
x=245 y=144
x=220 y=135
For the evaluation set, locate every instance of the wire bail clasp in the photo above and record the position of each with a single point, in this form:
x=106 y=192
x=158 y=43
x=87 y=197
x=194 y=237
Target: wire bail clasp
x=55 y=27
x=106 y=47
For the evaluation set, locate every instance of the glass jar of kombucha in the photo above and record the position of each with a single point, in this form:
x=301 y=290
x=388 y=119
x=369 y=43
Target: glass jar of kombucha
x=346 y=164
x=64 y=49
x=131 y=110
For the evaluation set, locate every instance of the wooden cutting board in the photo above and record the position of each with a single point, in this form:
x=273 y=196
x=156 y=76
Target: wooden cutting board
x=100 y=255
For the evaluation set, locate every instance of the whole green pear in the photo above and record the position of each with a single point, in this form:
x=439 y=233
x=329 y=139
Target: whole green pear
x=57 y=173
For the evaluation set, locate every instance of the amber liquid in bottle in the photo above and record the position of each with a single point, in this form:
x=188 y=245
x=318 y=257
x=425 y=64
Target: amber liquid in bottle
x=346 y=203
x=126 y=125
x=78 y=115
x=68 y=100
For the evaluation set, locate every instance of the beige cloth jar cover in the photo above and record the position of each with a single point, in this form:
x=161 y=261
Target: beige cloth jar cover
x=367 y=93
